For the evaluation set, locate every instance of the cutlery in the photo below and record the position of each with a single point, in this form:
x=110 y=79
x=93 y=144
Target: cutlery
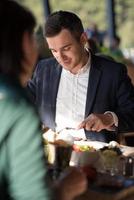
x=66 y=128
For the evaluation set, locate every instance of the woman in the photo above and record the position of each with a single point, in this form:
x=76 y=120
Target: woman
x=22 y=163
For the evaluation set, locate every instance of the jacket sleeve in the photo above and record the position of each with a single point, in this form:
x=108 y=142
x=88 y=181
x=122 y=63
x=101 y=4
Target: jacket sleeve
x=32 y=83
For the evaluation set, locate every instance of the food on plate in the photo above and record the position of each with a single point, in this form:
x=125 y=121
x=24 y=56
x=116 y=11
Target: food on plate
x=81 y=148
x=113 y=144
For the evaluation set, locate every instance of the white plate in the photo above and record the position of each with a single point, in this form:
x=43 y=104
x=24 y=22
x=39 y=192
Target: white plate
x=95 y=144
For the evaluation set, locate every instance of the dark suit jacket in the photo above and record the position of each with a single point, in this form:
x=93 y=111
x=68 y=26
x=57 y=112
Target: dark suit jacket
x=109 y=89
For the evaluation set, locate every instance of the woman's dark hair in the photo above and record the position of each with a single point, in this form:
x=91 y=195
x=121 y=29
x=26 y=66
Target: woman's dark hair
x=14 y=21
x=63 y=20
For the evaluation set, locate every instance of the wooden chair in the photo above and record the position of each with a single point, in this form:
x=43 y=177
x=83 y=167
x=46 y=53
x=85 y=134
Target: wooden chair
x=127 y=139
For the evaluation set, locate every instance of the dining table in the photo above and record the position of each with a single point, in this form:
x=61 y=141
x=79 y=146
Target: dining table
x=124 y=190
x=120 y=187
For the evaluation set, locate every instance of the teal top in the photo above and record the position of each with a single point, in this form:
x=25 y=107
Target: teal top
x=22 y=160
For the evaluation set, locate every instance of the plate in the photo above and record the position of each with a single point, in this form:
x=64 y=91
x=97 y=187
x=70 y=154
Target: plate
x=96 y=144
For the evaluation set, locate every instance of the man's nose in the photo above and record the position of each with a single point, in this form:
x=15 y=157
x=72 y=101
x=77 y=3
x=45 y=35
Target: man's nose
x=60 y=55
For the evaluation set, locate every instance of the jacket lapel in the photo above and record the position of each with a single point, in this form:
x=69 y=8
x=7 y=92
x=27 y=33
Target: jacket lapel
x=94 y=77
x=55 y=78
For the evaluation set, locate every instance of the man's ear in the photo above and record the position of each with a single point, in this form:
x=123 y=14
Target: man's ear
x=83 y=38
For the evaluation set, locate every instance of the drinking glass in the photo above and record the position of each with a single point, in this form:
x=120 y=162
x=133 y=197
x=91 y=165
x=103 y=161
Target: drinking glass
x=110 y=161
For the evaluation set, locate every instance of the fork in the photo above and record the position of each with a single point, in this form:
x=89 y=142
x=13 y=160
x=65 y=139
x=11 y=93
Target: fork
x=66 y=128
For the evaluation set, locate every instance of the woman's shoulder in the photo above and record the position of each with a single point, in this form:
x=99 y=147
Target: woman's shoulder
x=14 y=100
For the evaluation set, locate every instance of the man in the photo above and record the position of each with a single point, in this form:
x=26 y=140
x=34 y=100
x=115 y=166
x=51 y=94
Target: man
x=78 y=89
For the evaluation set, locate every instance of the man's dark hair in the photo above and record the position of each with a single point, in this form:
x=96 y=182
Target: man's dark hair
x=60 y=20
x=14 y=21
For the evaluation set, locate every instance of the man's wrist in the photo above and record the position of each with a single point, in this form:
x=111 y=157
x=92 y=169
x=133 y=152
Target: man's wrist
x=114 y=116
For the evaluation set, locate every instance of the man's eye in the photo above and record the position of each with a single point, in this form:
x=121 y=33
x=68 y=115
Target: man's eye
x=66 y=48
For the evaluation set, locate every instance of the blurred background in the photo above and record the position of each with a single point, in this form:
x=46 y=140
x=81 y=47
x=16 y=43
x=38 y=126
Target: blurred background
x=94 y=14
x=92 y=11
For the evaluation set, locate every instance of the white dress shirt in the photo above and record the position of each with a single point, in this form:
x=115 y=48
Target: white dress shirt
x=71 y=98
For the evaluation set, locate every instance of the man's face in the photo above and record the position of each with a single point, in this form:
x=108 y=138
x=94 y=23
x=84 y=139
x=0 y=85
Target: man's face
x=67 y=50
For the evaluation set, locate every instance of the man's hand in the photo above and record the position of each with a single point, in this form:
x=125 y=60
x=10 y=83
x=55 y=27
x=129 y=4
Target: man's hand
x=98 y=122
